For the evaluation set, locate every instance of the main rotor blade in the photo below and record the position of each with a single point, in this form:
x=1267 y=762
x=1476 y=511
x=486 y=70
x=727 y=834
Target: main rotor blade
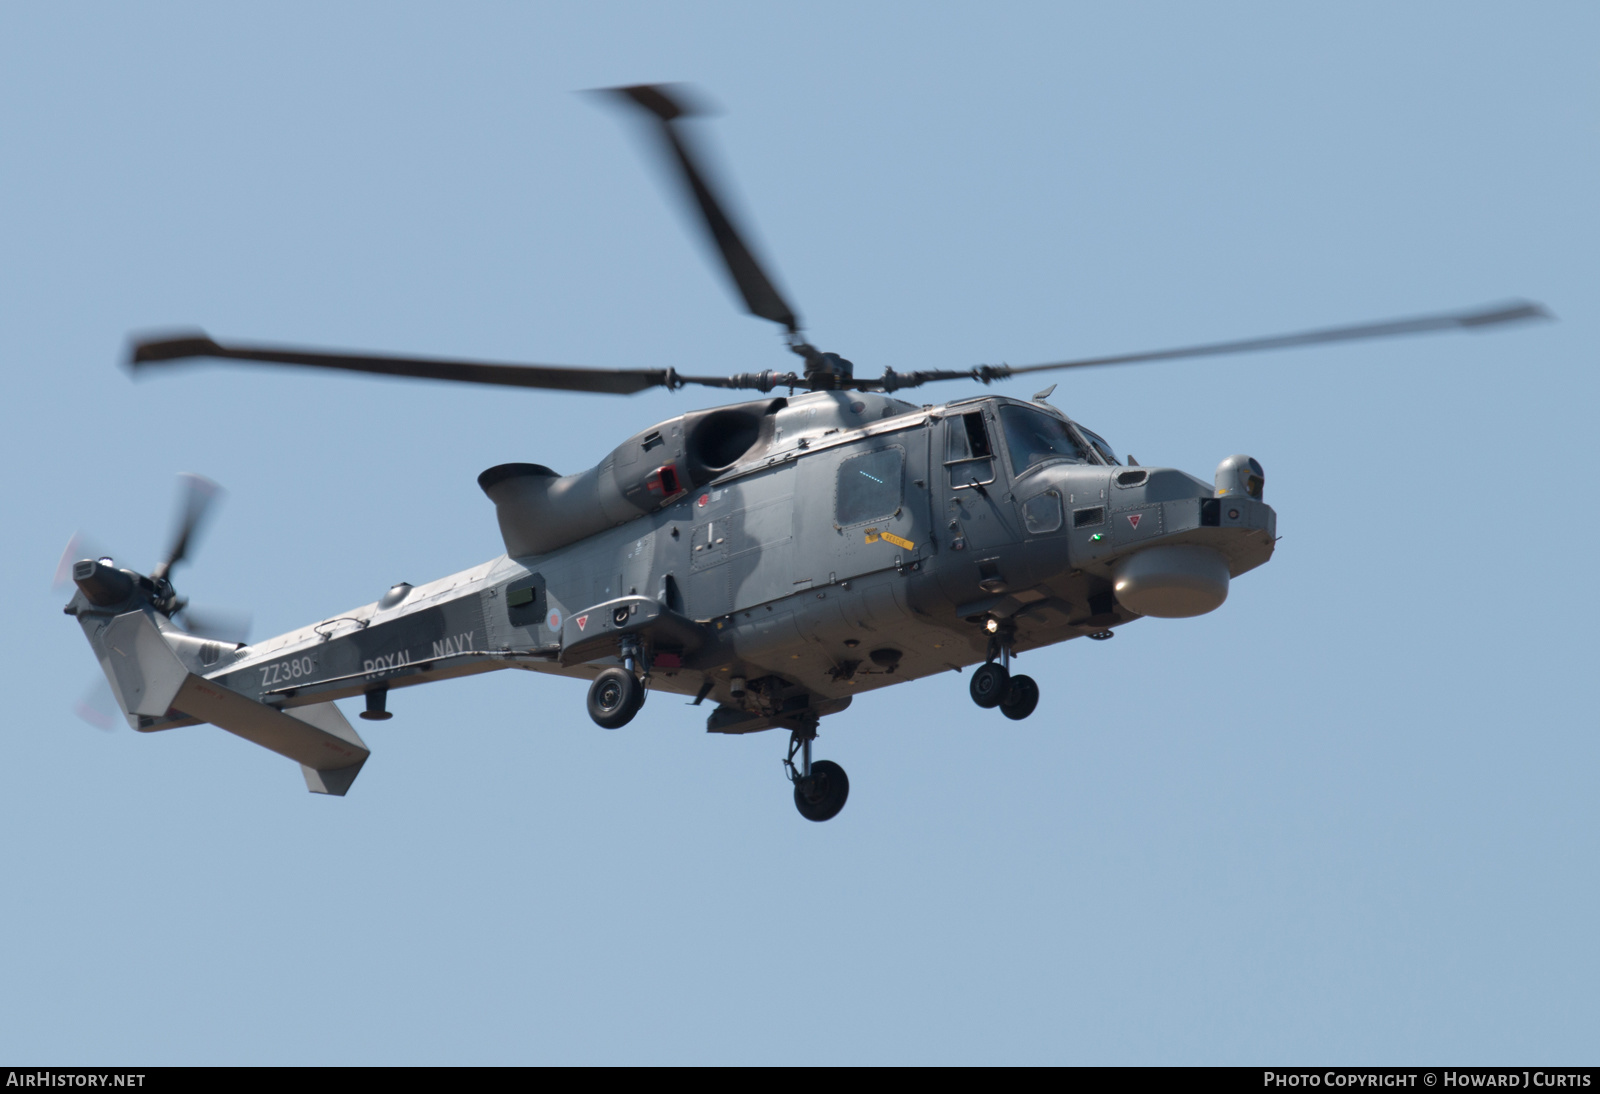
x=198 y=493
x=1471 y=319
x=555 y=377
x=666 y=106
x=604 y=381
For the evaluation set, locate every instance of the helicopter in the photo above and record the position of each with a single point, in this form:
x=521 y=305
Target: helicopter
x=775 y=556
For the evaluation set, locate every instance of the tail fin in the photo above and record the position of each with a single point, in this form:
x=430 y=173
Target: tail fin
x=150 y=680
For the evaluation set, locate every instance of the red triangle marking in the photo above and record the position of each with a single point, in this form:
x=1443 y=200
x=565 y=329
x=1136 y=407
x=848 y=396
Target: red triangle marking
x=1133 y=519
x=582 y=621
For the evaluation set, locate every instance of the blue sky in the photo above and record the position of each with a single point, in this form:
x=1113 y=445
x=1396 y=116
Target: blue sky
x=1347 y=817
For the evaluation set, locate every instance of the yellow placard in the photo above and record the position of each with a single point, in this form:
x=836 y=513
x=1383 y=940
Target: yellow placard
x=874 y=535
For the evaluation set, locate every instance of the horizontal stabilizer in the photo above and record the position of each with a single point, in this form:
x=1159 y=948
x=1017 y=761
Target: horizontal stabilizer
x=151 y=681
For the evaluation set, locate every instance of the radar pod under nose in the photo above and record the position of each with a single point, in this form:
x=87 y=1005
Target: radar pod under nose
x=150 y=680
x=1172 y=582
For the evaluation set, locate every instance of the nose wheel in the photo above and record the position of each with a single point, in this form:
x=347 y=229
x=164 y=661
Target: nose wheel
x=820 y=788
x=994 y=686
x=989 y=683
x=1022 y=695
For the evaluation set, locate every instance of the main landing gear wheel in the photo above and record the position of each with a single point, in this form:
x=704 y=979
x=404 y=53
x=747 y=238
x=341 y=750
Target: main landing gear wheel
x=821 y=796
x=989 y=683
x=614 y=698
x=1022 y=695
x=820 y=788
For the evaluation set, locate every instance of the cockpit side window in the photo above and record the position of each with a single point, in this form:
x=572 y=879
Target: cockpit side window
x=969 y=458
x=1033 y=437
x=968 y=439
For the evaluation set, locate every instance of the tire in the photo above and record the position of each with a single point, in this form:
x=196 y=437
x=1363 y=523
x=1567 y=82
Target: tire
x=989 y=682
x=1022 y=696
x=829 y=787
x=614 y=698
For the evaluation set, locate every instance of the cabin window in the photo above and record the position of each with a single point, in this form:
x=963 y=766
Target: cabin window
x=869 y=487
x=525 y=601
x=1032 y=437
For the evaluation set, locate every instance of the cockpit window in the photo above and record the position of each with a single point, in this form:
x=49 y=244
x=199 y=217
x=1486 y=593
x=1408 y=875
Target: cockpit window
x=1034 y=437
x=1100 y=445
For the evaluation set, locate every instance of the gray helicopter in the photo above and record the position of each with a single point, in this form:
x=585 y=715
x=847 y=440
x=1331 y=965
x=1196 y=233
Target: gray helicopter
x=776 y=557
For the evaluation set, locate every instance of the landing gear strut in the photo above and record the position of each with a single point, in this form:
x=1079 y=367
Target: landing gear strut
x=820 y=788
x=994 y=686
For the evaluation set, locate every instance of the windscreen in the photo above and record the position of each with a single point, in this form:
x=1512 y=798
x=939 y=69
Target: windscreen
x=1033 y=436
x=1100 y=445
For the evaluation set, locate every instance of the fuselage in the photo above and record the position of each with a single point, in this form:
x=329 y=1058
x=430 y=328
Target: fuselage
x=810 y=548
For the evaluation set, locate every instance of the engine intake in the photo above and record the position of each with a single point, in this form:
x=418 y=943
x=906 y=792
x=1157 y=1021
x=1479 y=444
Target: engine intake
x=540 y=511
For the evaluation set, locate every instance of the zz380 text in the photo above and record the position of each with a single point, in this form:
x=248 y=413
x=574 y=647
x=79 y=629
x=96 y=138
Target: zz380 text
x=280 y=671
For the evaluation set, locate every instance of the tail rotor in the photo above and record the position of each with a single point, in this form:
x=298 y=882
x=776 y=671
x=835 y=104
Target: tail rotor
x=110 y=588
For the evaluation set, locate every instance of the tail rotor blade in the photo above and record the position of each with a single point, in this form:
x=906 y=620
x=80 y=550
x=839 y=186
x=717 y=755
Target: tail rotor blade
x=98 y=707
x=198 y=494
x=217 y=624
x=79 y=546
